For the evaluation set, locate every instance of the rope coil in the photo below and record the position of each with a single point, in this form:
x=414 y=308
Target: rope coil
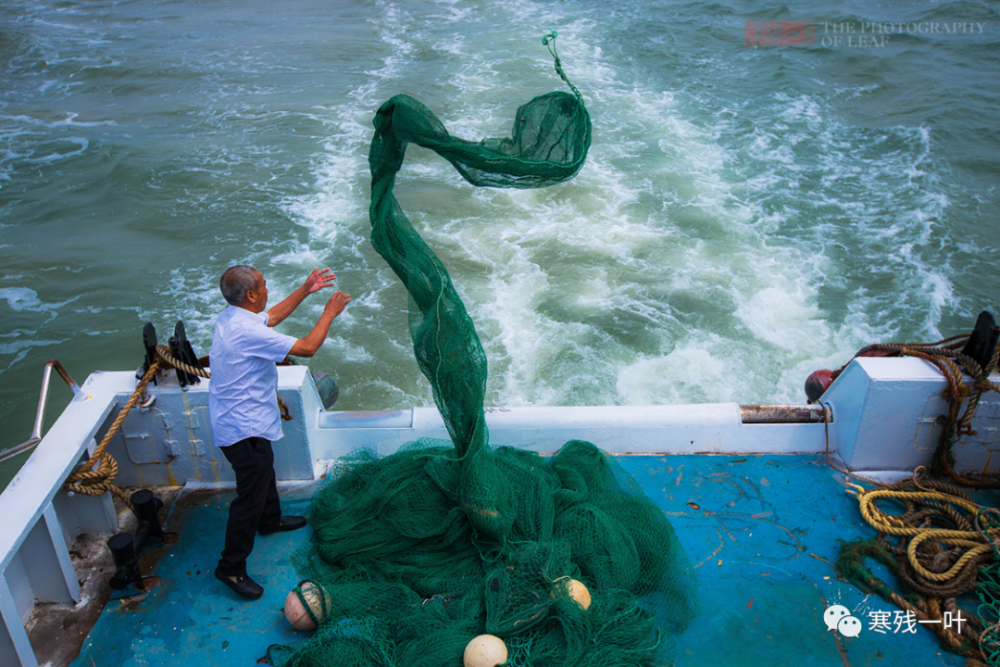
x=974 y=542
x=91 y=481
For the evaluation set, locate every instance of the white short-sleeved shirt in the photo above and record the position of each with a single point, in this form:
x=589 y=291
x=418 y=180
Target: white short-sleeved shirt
x=243 y=390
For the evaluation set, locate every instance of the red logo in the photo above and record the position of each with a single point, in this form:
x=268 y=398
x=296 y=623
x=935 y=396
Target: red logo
x=779 y=33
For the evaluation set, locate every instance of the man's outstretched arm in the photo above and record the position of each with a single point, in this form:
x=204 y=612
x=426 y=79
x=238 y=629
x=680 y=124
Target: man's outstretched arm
x=317 y=280
x=306 y=347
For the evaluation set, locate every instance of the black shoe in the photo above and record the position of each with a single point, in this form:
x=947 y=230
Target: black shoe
x=287 y=523
x=244 y=586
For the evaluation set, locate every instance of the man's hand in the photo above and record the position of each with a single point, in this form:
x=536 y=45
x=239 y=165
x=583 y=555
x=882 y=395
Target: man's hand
x=317 y=280
x=306 y=347
x=335 y=306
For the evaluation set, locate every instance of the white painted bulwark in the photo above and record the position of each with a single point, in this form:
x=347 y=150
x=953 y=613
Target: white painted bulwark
x=664 y=429
x=883 y=410
x=41 y=477
x=33 y=544
x=886 y=411
x=178 y=423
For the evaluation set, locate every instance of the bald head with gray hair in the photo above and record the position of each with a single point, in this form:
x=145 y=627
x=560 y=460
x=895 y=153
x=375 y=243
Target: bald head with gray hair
x=236 y=282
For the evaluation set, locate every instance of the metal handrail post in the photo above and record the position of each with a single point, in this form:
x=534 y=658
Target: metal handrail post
x=43 y=399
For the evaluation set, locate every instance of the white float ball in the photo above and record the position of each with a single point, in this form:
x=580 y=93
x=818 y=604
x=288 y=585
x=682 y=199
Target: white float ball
x=296 y=613
x=485 y=651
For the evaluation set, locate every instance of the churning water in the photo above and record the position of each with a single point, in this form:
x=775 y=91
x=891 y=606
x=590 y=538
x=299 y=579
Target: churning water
x=748 y=213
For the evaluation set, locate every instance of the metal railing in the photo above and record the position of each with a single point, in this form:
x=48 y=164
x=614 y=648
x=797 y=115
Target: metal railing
x=43 y=399
x=783 y=414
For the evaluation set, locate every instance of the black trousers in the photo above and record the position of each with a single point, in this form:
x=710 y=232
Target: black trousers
x=256 y=505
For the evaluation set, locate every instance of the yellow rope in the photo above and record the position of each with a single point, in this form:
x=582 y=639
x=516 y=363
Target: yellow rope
x=976 y=543
x=164 y=353
x=976 y=550
x=98 y=482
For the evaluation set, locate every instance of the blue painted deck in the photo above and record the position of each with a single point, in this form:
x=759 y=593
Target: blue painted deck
x=759 y=521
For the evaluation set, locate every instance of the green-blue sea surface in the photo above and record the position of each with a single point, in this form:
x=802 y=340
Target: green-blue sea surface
x=748 y=213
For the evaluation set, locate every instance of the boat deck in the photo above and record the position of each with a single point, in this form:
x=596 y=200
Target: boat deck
x=760 y=530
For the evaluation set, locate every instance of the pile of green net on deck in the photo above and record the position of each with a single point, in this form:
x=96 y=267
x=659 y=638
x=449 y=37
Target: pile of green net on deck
x=419 y=552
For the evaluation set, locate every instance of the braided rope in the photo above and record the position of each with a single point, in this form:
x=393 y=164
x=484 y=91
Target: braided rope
x=97 y=482
x=890 y=524
x=164 y=353
x=982 y=383
x=926 y=611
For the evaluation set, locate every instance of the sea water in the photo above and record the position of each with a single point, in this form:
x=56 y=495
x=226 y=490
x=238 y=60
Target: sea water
x=761 y=199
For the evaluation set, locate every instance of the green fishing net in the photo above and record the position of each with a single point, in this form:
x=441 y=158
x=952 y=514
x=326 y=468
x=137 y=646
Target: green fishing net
x=419 y=552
